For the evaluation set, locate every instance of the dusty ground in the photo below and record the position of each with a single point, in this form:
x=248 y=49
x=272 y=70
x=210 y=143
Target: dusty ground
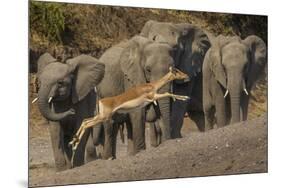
x=239 y=148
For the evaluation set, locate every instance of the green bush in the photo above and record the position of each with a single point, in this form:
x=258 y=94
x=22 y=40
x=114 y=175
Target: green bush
x=47 y=19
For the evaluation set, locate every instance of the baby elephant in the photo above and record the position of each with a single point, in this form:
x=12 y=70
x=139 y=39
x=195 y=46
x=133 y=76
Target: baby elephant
x=66 y=97
x=230 y=69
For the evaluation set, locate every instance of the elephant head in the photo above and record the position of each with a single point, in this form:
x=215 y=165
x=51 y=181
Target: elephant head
x=236 y=65
x=146 y=61
x=72 y=81
x=190 y=43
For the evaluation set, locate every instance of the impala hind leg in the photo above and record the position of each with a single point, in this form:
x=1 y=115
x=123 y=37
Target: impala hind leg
x=76 y=136
x=90 y=122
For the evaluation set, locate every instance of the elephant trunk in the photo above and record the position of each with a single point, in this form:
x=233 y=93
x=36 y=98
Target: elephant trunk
x=44 y=106
x=235 y=108
x=235 y=89
x=164 y=105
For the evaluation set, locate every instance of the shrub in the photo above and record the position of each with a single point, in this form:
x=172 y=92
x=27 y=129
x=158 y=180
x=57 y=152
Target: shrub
x=47 y=19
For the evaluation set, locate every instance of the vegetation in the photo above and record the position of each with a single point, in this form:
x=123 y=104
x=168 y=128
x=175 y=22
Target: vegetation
x=92 y=29
x=47 y=20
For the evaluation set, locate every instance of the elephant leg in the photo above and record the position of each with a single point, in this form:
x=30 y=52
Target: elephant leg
x=220 y=113
x=90 y=153
x=209 y=115
x=159 y=133
x=97 y=134
x=130 y=136
x=67 y=136
x=115 y=129
x=178 y=111
x=95 y=143
x=57 y=135
x=198 y=118
x=79 y=157
x=153 y=135
x=163 y=131
x=108 y=140
x=138 y=130
x=244 y=106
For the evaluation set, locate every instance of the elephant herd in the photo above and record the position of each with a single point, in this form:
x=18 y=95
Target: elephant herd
x=222 y=72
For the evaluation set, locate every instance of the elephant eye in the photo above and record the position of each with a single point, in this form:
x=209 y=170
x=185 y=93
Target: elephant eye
x=60 y=82
x=148 y=69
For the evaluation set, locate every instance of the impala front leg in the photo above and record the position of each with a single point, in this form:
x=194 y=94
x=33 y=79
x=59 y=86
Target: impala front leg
x=175 y=97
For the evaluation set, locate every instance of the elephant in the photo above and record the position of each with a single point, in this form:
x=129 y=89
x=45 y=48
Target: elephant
x=190 y=44
x=66 y=96
x=230 y=69
x=130 y=63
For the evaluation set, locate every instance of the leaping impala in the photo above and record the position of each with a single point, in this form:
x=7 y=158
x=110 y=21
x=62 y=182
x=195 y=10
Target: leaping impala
x=136 y=97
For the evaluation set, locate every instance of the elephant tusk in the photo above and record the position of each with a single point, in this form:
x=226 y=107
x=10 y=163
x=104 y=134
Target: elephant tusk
x=226 y=93
x=155 y=103
x=34 y=100
x=50 y=99
x=245 y=90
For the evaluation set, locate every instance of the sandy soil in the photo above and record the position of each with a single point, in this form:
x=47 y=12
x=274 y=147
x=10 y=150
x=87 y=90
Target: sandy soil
x=239 y=148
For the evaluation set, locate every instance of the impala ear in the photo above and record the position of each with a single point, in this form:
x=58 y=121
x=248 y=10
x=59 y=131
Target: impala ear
x=88 y=73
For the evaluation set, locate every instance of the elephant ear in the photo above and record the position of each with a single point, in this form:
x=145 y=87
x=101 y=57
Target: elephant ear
x=216 y=57
x=194 y=43
x=88 y=73
x=130 y=61
x=43 y=61
x=146 y=28
x=216 y=61
x=258 y=58
x=200 y=46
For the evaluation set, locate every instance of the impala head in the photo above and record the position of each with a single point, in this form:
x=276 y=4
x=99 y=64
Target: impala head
x=176 y=74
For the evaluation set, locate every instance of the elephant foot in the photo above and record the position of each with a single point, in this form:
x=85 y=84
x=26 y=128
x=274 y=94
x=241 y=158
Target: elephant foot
x=60 y=168
x=154 y=145
x=111 y=158
x=176 y=135
x=108 y=157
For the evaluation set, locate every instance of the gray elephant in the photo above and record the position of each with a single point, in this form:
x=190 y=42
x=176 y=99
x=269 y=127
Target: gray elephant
x=65 y=98
x=230 y=69
x=190 y=44
x=138 y=60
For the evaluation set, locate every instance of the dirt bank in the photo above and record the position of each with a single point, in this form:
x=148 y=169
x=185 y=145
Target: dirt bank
x=238 y=148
